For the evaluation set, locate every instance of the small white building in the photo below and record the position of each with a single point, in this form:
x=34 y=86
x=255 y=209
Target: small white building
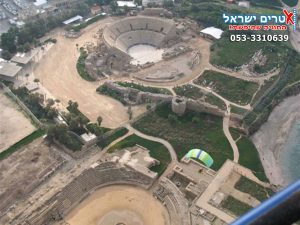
x=244 y=4
x=211 y=33
x=130 y=4
x=40 y=3
x=73 y=19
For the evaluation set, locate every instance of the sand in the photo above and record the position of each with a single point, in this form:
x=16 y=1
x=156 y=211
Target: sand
x=119 y=204
x=271 y=138
x=142 y=54
x=57 y=73
x=14 y=126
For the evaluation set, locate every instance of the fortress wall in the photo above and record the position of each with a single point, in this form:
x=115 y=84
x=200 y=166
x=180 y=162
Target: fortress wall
x=142 y=97
x=151 y=97
x=204 y=107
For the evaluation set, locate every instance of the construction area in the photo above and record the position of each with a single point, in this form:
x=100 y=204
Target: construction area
x=14 y=124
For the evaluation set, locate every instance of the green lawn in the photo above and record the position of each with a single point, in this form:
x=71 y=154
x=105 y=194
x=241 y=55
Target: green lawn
x=193 y=130
x=81 y=66
x=249 y=158
x=266 y=3
x=234 y=133
x=290 y=3
x=267 y=84
x=196 y=93
x=214 y=100
x=231 y=88
x=154 y=90
x=295 y=70
x=238 y=110
x=25 y=141
x=157 y=150
x=234 y=54
x=114 y=136
x=235 y=206
x=189 y=91
x=254 y=189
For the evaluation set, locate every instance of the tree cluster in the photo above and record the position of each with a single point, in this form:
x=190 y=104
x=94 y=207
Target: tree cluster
x=34 y=101
x=22 y=39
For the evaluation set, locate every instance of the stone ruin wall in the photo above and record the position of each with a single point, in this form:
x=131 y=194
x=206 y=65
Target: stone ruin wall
x=105 y=174
x=100 y=63
x=143 y=97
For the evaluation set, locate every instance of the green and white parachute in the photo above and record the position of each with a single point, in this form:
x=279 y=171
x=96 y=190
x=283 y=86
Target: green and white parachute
x=200 y=155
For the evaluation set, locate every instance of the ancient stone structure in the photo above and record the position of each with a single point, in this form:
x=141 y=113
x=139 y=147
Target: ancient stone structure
x=179 y=105
x=112 y=54
x=132 y=31
x=157 y=12
x=101 y=62
x=103 y=174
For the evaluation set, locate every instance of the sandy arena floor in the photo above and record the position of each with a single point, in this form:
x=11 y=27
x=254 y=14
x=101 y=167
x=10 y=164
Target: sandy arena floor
x=119 y=204
x=58 y=74
x=13 y=124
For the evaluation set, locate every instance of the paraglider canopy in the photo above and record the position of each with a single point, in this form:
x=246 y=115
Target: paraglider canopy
x=200 y=155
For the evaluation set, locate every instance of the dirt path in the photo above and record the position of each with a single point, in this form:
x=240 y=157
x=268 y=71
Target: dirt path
x=227 y=133
x=156 y=139
x=57 y=72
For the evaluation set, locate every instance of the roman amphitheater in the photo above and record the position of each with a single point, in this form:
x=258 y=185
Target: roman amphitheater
x=99 y=187
x=133 y=44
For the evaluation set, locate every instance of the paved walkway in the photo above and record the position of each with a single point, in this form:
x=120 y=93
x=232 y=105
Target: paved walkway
x=227 y=133
x=156 y=139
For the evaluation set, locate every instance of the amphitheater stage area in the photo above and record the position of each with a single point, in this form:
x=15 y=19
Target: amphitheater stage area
x=167 y=70
x=24 y=170
x=14 y=125
x=119 y=205
x=142 y=54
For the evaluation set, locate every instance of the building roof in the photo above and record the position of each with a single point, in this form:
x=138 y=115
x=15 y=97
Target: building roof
x=9 y=69
x=73 y=19
x=215 y=32
x=23 y=58
x=245 y=4
x=88 y=137
x=125 y=3
x=40 y=2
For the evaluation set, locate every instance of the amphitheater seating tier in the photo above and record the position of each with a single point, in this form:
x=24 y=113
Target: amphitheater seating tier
x=139 y=30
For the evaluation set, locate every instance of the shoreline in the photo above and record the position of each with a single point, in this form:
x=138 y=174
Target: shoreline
x=272 y=137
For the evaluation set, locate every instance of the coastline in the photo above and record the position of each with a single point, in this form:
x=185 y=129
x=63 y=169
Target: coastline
x=271 y=138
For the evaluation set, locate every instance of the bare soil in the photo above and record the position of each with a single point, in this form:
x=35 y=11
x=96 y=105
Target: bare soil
x=24 y=170
x=112 y=205
x=14 y=125
x=58 y=74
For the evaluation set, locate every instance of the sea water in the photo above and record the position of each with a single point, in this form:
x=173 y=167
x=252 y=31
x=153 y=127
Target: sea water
x=290 y=156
